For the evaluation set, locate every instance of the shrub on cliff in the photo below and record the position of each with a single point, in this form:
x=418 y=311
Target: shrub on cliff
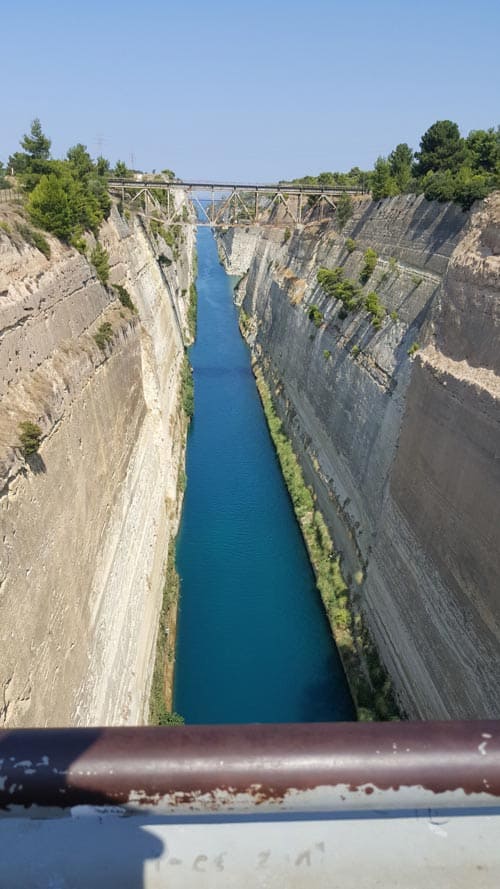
x=375 y=308
x=100 y=260
x=345 y=209
x=187 y=388
x=192 y=312
x=370 y=262
x=36 y=239
x=315 y=315
x=104 y=335
x=30 y=435
x=333 y=283
x=124 y=297
x=49 y=207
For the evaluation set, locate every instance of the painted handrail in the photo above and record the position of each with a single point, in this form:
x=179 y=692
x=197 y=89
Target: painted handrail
x=188 y=770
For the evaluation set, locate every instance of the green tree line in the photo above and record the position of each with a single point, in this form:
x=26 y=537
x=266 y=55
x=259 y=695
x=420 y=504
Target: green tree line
x=65 y=197
x=447 y=167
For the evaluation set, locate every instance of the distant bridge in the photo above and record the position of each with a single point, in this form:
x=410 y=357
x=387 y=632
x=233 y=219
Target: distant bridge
x=228 y=203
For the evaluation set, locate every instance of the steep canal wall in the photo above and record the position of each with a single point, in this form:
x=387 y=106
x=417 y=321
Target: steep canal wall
x=397 y=425
x=86 y=522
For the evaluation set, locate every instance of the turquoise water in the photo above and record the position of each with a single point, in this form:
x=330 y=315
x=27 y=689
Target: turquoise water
x=253 y=642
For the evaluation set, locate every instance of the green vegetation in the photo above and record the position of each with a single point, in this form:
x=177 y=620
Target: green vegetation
x=121 y=171
x=30 y=435
x=345 y=209
x=187 y=388
x=368 y=681
x=104 y=335
x=315 y=315
x=172 y=236
x=394 y=316
x=287 y=235
x=355 y=178
x=158 y=712
x=370 y=262
x=79 y=244
x=327 y=354
x=375 y=308
x=5 y=227
x=447 y=167
x=355 y=350
x=413 y=349
x=350 y=245
x=36 y=239
x=333 y=283
x=65 y=197
x=100 y=260
x=124 y=297
x=192 y=312
x=3 y=173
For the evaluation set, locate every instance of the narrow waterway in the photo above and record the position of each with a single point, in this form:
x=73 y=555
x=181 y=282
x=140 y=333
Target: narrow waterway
x=253 y=641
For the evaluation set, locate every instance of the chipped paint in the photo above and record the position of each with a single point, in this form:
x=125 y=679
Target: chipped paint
x=239 y=769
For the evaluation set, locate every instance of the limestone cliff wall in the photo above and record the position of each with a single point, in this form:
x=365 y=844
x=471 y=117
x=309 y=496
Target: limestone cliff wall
x=85 y=523
x=402 y=451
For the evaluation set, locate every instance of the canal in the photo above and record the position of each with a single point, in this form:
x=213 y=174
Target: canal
x=253 y=641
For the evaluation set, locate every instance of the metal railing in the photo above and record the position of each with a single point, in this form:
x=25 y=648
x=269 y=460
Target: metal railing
x=347 y=805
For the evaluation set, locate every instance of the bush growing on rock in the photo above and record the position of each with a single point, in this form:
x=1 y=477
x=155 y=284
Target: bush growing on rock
x=345 y=209
x=124 y=297
x=375 y=308
x=104 y=335
x=369 y=265
x=315 y=315
x=333 y=283
x=100 y=260
x=30 y=435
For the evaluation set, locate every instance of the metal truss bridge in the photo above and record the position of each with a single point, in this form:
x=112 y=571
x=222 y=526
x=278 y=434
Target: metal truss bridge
x=219 y=204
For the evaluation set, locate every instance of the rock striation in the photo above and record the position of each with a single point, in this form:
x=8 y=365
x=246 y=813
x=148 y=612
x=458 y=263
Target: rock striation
x=397 y=428
x=85 y=523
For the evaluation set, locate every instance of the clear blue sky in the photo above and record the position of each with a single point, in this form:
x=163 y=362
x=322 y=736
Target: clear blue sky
x=261 y=90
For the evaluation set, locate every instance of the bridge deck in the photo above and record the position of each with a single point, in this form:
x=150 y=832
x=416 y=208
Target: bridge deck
x=203 y=185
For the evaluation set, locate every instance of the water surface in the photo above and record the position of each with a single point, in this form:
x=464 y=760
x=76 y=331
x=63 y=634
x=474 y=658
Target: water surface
x=253 y=640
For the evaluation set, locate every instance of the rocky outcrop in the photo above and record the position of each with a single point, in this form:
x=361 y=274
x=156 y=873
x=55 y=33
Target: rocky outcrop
x=397 y=428
x=85 y=523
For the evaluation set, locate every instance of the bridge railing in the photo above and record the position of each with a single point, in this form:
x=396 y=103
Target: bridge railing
x=203 y=185
x=338 y=805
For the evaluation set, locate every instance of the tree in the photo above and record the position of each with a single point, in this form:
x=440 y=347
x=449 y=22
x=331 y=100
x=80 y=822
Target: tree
x=483 y=147
x=400 y=161
x=121 y=170
x=34 y=161
x=441 y=148
x=49 y=206
x=80 y=159
x=469 y=187
x=3 y=181
x=383 y=185
x=439 y=186
x=102 y=166
x=36 y=145
x=326 y=180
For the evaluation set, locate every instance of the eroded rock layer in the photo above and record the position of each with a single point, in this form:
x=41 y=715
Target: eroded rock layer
x=397 y=428
x=85 y=523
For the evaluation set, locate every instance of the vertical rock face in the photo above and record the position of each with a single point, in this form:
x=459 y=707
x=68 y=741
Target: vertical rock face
x=402 y=450
x=85 y=523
